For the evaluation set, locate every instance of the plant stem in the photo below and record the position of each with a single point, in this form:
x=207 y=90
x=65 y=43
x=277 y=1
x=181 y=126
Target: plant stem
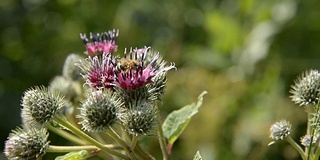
x=113 y=134
x=308 y=149
x=162 y=140
x=98 y=137
x=66 y=135
x=312 y=129
x=83 y=135
x=317 y=154
x=138 y=150
x=142 y=153
x=60 y=149
x=134 y=142
x=297 y=147
x=309 y=122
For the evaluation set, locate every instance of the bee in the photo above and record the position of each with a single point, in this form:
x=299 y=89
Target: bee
x=129 y=64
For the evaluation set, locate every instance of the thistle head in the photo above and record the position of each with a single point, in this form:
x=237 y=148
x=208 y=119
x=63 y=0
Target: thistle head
x=101 y=43
x=26 y=144
x=99 y=72
x=40 y=105
x=139 y=118
x=141 y=72
x=280 y=130
x=306 y=89
x=99 y=111
x=138 y=68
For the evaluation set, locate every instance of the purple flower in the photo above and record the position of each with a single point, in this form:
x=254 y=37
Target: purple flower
x=104 y=43
x=99 y=73
x=136 y=71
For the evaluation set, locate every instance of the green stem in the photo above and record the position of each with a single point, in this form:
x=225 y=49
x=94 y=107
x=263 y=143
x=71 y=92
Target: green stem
x=308 y=149
x=66 y=135
x=113 y=134
x=60 y=149
x=83 y=135
x=162 y=140
x=297 y=147
x=310 y=146
x=317 y=154
x=98 y=137
x=134 y=142
x=142 y=153
x=312 y=129
x=138 y=150
x=310 y=110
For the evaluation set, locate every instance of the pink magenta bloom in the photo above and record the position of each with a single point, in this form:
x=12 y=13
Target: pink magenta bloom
x=135 y=78
x=135 y=73
x=99 y=73
x=104 y=43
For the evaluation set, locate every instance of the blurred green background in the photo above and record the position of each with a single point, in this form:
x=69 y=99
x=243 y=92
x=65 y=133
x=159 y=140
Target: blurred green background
x=245 y=53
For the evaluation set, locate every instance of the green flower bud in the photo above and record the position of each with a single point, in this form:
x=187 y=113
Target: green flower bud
x=25 y=144
x=70 y=70
x=71 y=90
x=132 y=96
x=99 y=111
x=280 y=130
x=306 y=140
x=40 y=105
x=305 y=91
x=63 y=85
x=139 y=118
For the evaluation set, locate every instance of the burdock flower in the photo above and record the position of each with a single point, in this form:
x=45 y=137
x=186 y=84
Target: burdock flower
x=305 y=91
x=156 y=89
x=40 y=105
x=280 y=130
x=139 y=118
x=100 y=43
x=26 y=144
x=98 y=72
x=99 y=111
x=135 y=70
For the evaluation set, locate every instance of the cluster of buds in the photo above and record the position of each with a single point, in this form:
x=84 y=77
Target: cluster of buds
x=135 y=81
x=39 y=107
x=100 y=90
x=305 y=92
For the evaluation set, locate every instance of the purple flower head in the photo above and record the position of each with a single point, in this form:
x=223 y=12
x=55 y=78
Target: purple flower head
x=134 y=71
x=99 y=73
x=104 y=43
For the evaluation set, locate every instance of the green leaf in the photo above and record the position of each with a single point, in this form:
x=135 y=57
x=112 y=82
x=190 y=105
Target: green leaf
x=178 y=120
x=74 y=156
x=197 y=156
